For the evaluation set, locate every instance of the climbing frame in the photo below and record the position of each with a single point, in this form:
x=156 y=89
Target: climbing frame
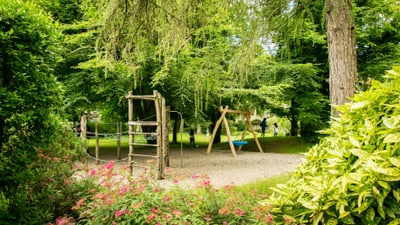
x=248 y=124
x=161 y=132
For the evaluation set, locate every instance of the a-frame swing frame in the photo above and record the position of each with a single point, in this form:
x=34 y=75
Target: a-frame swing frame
x=222 y=118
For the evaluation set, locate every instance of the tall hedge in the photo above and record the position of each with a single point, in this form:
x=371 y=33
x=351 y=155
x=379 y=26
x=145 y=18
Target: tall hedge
x=33 y=144
x=353 y=175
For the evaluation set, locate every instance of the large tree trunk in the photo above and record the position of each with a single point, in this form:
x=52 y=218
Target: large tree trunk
x=342 y=52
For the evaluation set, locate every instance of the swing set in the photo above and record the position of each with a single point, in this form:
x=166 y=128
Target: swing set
x=233 y=143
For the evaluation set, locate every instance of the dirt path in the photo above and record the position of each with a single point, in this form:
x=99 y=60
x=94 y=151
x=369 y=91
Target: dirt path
x=222 y=168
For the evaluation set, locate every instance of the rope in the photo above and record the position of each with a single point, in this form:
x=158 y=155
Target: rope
x=103 y=160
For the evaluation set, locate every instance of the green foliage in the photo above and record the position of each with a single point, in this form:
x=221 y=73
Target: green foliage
x=352 y=176
x=46 y=189
x=36 y=151
x=301 y=100
x=29 y=93
x=377 y=38
x=123 y=199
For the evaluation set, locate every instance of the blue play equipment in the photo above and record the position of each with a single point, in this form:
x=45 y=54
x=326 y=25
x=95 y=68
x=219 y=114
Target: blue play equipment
x=239 y=143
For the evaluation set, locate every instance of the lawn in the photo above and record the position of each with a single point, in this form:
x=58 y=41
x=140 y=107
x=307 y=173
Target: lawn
x=280 y=144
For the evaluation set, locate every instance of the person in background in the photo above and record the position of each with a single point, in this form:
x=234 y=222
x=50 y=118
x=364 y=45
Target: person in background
x=276 y=130
x=263 y=126
x=192 y=138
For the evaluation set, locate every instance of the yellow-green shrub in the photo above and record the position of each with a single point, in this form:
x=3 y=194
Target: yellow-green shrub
x=352 y=176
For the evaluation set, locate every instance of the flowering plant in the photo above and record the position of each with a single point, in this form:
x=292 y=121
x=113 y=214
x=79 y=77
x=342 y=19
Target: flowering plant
x=122 y=199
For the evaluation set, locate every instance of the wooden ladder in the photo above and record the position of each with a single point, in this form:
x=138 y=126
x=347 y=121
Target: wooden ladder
x=159 y=123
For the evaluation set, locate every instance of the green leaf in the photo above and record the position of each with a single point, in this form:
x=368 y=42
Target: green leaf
x=388 y=123
x=348 y=220
x=354 y=141
x=370 y=214
x=396 y=195
x=392 y=138
x=381 y=211
x=395 y=161
x=376 y=191
x=342 y=211
x=359 y=105
x=359 y=153
x=331 y=221
x=394 y=222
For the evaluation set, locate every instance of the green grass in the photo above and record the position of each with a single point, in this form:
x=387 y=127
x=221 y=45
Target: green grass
x=263 y=186
x=280 y=144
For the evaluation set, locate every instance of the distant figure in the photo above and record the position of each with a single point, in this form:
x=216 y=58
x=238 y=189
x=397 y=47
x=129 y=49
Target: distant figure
x=192 y=138
x=263 y=126
x=77 y=129
x=276 y=130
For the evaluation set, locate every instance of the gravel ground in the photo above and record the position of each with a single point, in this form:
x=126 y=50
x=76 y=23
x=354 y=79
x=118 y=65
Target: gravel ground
x=221 y=167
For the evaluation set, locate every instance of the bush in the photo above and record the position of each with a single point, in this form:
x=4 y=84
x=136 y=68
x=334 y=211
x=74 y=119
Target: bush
x=122 y=199
x=36 y=152
x=352 y=176
x=51 y=190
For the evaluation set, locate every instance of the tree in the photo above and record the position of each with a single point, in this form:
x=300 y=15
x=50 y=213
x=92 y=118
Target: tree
x=36 y=149
x=342 y=51
x=377 y=25
x=29 y=92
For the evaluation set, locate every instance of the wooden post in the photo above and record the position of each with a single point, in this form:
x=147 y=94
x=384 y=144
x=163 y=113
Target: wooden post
x=166 y=122
x=217 y=124
x=130 y=118
x=228 y=134
x=253 y=131
x=159 y=135
x=97 y=141
x=83 y=126
x=118 y=141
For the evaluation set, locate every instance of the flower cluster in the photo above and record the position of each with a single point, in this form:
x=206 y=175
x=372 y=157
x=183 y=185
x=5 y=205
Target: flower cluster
x=122 y=199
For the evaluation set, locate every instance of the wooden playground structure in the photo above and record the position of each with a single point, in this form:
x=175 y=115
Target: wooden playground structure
x=161 y=132
x=233 y=143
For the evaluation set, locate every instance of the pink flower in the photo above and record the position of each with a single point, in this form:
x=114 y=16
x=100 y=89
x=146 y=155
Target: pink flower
x=208 y=218
x=177 y=212
x=118 y=213
x=166 y=198
x=268 y=218
x=61 y=221
x=195 y=176
x=225 y=223
x=206 y=183
x=123 y=190
x=176 y=181
x=92 y=172
x=109 y=165
x=151 y=217
x=239 y=212
x=79 y=204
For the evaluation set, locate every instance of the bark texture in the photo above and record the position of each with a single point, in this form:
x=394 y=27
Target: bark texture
x=342 y=51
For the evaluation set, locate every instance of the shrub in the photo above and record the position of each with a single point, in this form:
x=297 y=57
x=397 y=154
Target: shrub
x=122 y=199
x=50 y=191
x=352 y=176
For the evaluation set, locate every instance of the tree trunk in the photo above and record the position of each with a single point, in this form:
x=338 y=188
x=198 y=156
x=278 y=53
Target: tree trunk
x=294 y=122
x=342 y=52
x=175 y=129
x=214 y=117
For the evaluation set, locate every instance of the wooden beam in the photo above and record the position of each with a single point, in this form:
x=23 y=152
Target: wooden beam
x=217 y=124
x=228 y=134
x=234 y=111
x=254 y=133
